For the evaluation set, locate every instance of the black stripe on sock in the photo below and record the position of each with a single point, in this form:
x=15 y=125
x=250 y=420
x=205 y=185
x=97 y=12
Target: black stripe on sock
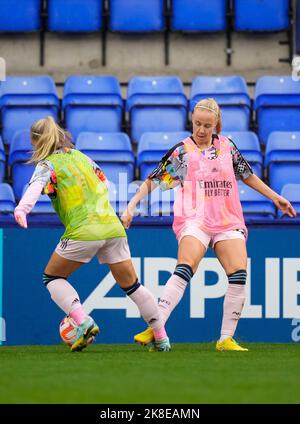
x=238 y=277
x=184 y=271
x=131 y=289
x=48 y=278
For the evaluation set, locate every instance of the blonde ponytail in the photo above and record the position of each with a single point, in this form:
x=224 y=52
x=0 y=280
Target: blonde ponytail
x=47 y=136
x=211 y=105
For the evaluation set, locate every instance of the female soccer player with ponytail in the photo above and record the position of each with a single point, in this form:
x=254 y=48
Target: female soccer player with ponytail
x=78 y=190
x=207 y=212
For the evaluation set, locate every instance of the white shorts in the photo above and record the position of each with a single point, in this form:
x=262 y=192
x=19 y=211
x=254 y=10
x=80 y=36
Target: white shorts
x=211 y=239
x=108 y=251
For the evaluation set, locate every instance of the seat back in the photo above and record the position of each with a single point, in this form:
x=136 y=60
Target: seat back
x=153 y=146
x=277 y=101
x=92 y=103
x=248 y=144
x=113 y=153
x=75 y=15
x=227 y=90
x=106 y=147
x=156 y=104
x=25 y=100
x=28 y=90
x=255 y=205
x=282 y=147
x=7 y=199
x=20 y=148
x=89 y=89
x=261 y=15
x=136 y=16
x=155 y=90
x=198 y=15
x=20 y=16
x=19 y=154
x=231 y=93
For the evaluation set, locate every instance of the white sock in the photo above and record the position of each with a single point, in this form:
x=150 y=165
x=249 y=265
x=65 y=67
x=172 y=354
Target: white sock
x=148 y=307
x=64 y=295
x=171 y=296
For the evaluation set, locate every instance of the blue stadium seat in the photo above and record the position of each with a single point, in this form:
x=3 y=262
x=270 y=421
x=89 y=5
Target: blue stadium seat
x=2 y=160
x=43 y=205
x=19 y=154
x=152 y=147
x=20 y=16
x=248 y=144
x=156 y=103
x=75 y=15
x=112 y=151
x=261 y=15
x=92 y=103
x=255 y=206
x=24 y=100
x=282 y=159
x=277 y=101
x=120 y=195
x=7 y=199
x=136 y=16
x=292 y=193
x=231 y=93
x=198 y=15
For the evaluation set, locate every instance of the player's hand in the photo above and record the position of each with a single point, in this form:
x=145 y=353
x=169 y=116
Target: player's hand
x=285 y=206
x=126 y=218
x=20 y=218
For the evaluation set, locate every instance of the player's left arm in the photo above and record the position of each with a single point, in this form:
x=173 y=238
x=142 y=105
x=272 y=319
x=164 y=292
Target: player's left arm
x=280 y=202
x=243 y=172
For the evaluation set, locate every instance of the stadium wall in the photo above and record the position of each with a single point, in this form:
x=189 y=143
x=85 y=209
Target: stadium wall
x=271 y=314
x=190 y=55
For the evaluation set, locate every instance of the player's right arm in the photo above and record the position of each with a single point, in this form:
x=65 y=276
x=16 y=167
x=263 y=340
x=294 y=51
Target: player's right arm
x=146 y=188
x=169 y=173
x=39 y=180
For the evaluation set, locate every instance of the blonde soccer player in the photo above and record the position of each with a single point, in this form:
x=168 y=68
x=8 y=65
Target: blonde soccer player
x=78 y=190
x=207 y=212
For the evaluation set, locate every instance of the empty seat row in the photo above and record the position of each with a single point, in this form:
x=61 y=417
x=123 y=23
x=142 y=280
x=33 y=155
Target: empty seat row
x=114 y=153
x=158 y=103
x=137 y=16
x=134 y=16
x=256 y=208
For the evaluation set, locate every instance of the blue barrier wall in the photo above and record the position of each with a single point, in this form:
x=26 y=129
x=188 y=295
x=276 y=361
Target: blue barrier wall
x=271 y=314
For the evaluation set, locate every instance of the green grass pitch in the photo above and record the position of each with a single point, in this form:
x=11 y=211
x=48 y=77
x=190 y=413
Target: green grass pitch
x=191 y=373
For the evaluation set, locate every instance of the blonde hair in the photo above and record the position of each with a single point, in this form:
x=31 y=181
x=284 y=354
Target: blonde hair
x=211 y=105
x=47 y=136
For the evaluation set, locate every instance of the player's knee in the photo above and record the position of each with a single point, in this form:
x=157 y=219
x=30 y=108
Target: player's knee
x=184 y=271
x=48 y=278
x=238 y=277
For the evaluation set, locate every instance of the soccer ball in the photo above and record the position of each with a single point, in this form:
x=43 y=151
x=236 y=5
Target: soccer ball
x=67 y=331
